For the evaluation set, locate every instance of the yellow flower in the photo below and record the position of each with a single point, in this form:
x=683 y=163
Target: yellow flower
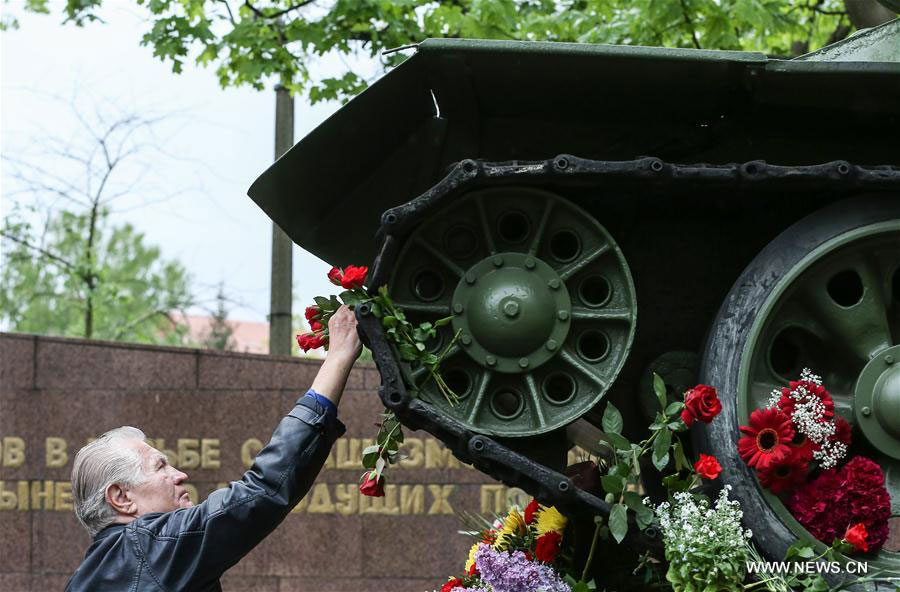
x=471 y=560
x=512 y=526
x=549 y=519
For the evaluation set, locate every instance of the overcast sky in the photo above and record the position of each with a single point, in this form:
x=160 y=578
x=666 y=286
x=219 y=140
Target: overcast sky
x=213 y=146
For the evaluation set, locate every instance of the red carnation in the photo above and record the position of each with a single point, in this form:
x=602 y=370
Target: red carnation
x=313 y=312
x=856 y=535
x=767 y=438
x=530 y=510
x=783 y=475
x=836 y=499
x=353 y=277
x=372 y=486
x=707 y=467
x=451 y=584
x=547 y=546
x=334 y=276
x=701 y=402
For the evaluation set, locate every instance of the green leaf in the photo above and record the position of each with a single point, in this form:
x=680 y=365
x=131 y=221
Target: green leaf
x=369 y=456
x=618 y=522
x=350 y=298
x=620 y=442
x=674 y=408
x=323 y=303
x=443 y=321
x=612 y=484
x=376 y=310
x=389 y=321
x=643 y=514
x=612 y=419
x=407 y=352
x=659 y=387
x=661 y=449
x=681 y=461
x=674 y=483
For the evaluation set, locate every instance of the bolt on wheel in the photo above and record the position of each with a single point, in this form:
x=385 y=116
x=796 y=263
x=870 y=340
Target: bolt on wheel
x=541 y=297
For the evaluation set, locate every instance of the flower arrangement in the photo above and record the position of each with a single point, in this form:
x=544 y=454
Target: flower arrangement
x=706 y=547
x=518 y=553
x=408 y=339
x=797 y=444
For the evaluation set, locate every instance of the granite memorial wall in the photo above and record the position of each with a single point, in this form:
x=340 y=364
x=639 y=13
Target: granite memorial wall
x=212 y=412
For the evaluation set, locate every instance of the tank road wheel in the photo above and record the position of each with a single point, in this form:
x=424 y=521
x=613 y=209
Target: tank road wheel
x=825 y=295
x=542 y=298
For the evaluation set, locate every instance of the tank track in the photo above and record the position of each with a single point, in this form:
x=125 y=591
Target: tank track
x=647 y=173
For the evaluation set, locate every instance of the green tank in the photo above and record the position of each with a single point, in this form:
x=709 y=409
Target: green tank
x=590 y=215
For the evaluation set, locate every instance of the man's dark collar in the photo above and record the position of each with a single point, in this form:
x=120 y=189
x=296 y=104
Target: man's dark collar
x=111 y=529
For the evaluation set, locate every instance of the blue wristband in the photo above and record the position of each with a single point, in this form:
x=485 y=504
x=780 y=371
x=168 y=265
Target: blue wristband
x=330 y=408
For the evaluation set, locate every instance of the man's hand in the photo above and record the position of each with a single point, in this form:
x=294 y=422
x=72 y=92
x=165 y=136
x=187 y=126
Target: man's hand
x=343 y=349
x=343 y=340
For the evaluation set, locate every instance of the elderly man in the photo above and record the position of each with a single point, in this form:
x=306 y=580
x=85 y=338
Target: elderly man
x=147 y=533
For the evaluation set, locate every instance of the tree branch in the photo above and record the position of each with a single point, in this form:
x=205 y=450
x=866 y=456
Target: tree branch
x=690 y=24
x=42 y=251
x=259 y=13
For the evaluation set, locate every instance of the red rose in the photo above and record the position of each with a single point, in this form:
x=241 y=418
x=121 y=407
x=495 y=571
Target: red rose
x=707 y=467
x=334 y=276
x=353 y=277
x=308 y=341
x=372 y=486
x=451 y=584
x=856 y=536
x=530 y=510
x=313 y=312
x=316 y=325
x=701 y=402
x=547 y=547
x=303 y=341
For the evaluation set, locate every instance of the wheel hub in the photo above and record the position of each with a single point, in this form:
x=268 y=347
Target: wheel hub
x=508 y=309
x=877 y=401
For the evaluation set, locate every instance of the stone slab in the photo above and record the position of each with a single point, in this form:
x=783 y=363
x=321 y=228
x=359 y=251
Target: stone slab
x=369 y=583
x=15 y=542
x=17 y=582
x=83 y=364
x=58 y=542
x=223 y=371
x=16 y=361
x=249 y=584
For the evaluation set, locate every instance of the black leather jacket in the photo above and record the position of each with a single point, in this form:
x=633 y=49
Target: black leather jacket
x=189 y=549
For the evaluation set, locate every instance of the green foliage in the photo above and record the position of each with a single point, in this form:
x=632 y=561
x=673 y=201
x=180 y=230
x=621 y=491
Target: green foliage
x=116 y=287
x=251 y=41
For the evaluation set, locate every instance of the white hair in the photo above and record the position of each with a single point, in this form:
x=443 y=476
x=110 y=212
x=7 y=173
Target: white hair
x=104 y=462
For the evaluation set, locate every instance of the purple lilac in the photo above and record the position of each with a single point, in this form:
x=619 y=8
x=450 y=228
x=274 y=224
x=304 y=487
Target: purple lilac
x=512 y=572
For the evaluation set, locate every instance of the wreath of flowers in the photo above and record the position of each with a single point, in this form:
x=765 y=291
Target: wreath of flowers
x=518 y=554
x=797 y=445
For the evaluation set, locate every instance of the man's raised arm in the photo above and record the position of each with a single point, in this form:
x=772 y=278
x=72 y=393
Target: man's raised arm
x=191 y=548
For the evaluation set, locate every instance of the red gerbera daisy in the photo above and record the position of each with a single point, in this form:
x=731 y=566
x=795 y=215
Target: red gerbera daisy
x=783 y=475
x=767 y=438
x=801 y=448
